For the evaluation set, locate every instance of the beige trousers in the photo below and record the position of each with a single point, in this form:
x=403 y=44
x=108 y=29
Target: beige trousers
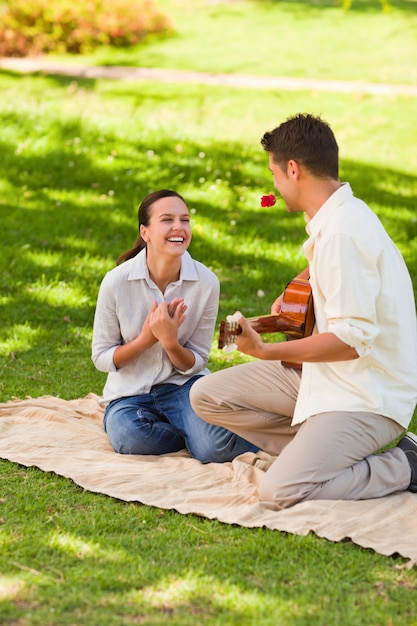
x=331 y=456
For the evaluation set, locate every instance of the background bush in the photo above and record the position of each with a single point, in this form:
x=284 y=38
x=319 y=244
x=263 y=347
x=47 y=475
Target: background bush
x=74 y=26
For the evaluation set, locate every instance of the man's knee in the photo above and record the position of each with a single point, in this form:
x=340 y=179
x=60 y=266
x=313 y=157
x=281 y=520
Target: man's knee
x=198 y=399
x=281 y=495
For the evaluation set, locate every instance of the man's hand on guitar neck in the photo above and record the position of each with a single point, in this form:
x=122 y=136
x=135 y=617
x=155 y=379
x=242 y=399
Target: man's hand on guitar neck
x=249 y=341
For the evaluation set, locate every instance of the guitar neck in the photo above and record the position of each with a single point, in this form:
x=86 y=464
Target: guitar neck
x=295 y=319
x=290 y=325
x=287 y=324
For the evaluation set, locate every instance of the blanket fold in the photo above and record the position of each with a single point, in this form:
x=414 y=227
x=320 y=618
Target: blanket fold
x=67 y=437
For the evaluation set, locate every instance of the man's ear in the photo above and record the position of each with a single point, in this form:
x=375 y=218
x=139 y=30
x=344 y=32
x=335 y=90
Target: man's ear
x=293 y=169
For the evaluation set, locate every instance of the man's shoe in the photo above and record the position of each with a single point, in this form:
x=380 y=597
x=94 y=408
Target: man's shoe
x=408 y=444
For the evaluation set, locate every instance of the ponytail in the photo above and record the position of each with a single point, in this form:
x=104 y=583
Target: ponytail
x=129 y=254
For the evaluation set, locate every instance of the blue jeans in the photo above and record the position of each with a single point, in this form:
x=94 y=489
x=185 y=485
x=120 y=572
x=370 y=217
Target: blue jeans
x=163 y=421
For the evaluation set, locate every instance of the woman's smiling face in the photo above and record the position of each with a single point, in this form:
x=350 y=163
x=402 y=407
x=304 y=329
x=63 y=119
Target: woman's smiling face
x=169 y=229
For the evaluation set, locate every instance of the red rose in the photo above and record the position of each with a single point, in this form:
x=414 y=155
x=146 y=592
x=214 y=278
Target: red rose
x=268 y=200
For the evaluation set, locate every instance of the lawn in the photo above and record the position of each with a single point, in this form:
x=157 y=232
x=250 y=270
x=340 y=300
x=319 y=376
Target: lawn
x=299 y=38
x=77 y=158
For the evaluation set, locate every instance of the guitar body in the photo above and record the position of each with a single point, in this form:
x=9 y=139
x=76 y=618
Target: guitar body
x=295 y=319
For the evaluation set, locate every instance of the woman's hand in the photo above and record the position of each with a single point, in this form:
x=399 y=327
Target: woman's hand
x=164 y=322
x=146 y=334
x=161 y=324
x=177 y=303
x=165 y=319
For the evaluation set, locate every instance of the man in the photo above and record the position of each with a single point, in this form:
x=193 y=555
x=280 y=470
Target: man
x=358 y=387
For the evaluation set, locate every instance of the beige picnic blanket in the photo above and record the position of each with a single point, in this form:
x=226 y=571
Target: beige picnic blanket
x=67 y=437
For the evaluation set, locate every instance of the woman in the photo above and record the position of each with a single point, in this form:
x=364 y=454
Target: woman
x=153 y=329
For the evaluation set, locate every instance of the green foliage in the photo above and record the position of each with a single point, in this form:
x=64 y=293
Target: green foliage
x=74 y=26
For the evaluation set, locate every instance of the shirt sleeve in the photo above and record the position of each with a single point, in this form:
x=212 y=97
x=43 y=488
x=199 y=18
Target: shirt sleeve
x=106 y=329
x=350 y=304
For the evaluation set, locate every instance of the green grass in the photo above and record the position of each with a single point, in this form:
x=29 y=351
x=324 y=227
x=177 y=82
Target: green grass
x=90 y=559
x=298 y=38
x=77 y=158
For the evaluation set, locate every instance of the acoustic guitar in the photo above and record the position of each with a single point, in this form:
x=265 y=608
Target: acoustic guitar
x=295 y=319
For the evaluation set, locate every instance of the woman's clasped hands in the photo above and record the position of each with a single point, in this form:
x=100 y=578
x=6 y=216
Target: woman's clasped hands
x=165 y=318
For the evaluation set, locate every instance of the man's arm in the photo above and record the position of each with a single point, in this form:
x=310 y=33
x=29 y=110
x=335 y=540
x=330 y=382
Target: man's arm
x=324 y=347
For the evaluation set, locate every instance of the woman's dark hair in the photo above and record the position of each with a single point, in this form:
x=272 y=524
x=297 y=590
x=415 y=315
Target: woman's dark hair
x=307 y=139
x=144 y=215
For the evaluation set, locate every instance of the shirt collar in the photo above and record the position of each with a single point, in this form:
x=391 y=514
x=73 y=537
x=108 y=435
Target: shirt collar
x=139 y=268
x=315 y=225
